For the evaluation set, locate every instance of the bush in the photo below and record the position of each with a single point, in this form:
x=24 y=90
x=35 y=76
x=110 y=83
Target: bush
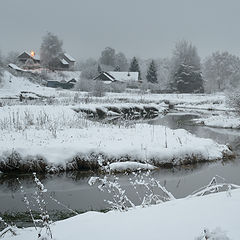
x=233 y=99
x=99 y=89
x=84 y=85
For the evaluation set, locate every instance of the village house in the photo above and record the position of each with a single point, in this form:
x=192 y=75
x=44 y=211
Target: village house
x=123 y=77
x=30 y=60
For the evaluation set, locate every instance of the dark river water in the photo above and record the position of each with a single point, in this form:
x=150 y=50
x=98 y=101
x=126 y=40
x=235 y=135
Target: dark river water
x=73 y=190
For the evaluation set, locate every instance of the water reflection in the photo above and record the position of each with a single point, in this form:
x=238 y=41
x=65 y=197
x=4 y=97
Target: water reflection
x=73 y=190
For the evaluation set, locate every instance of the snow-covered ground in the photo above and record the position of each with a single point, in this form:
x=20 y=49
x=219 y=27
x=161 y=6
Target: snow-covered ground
x=221 y=121
x=57 y=134
x=12 y=87
x=186 y=218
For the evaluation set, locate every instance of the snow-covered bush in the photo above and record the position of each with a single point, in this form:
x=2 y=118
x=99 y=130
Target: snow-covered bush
x=99 y=89
x=119 y=201
x=233 y=98
x=216 y=234
x=84 y=85
x=148 y=190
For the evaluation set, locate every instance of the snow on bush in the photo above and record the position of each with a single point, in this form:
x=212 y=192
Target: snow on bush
x=216 y=234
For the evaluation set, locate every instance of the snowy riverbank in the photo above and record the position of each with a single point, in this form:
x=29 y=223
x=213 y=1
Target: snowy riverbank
x=177 y=219
x=52 y=138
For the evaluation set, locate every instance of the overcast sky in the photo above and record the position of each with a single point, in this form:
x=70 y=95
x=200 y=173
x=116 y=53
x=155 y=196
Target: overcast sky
x=144 y=28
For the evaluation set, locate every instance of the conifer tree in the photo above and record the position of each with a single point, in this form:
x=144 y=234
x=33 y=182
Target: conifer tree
x=152 y=73
x=134 y=67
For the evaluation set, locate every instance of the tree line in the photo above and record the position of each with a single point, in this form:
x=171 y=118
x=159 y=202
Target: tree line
x=183 y=72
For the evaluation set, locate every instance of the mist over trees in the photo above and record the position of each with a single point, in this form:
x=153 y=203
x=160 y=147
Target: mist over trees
x=221 y=71
x=183 y=72
x=50 y=49
x=110 y=60
x=1 y=68
x=186 y=76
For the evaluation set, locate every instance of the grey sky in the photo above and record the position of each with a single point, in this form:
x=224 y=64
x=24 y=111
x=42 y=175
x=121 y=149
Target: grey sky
x=145 y=28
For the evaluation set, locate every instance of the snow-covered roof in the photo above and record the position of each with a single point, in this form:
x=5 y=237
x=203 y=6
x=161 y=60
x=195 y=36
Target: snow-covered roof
x=124 y=76
x=15 y=67
x=69 y=57
x=35 y=57
x=64 y=62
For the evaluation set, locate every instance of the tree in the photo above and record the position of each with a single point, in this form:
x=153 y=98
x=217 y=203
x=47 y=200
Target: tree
x=117 y=69
x=185 y=73
x=134 y=67
x=89 y=69
x=99 y=68
x=221 y=71
x=50 y=49
x=152 y=73
x=121 y=62
x=108 y=57
x=12 y=57
x=1 y=68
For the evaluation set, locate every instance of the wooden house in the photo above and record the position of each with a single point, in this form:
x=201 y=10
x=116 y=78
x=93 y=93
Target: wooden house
x=124 y=77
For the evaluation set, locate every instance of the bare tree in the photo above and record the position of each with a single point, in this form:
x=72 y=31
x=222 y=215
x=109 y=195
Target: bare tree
x=121 y=62
x=12 y=57
x=1 y=69
x=108 y=57
x=50 y=49
x=89 y=69
x=221 y=71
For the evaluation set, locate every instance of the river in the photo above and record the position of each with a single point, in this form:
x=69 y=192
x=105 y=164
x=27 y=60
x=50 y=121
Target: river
x=73 y=190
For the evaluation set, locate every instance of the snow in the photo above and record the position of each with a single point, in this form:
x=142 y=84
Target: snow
x=221 y=121
x=125 y=76
x=64 y=62
x=187 y=218
x=15 y=67
x=13 y=86
x=129 y=166
x=69 y=57
x=57 y=134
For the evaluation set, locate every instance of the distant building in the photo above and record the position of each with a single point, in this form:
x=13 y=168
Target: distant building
x=124 y=77
x=61 y=84
x=30 y=60
x=25 y=57
x=63 y=62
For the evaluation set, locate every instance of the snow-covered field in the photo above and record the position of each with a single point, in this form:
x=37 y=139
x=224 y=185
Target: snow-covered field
x=217 y=214
x=57 y=134
x=221 y=121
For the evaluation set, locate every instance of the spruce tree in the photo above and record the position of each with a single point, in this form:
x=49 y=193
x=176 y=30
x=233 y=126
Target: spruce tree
x=186 y=73
x=152 y=73
x=134 y=67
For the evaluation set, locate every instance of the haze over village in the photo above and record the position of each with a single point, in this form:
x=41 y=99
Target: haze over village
x=119 y=120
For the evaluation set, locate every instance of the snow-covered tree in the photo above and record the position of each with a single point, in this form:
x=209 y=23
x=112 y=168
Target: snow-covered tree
x=50 y=49
x=89 y=69
x=152 y=73
x=134 y=67
x=186 y=76
x=12 y=57
x=108 y=57
x=221 y=70
x=121 y=62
